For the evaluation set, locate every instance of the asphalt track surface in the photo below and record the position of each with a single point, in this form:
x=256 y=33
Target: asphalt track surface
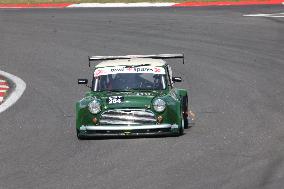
x=234 y=72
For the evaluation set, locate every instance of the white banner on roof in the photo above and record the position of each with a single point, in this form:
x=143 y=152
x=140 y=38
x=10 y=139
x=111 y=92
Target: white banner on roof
x=123 y=69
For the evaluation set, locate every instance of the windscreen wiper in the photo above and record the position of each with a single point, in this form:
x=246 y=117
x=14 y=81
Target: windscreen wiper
x=135 y=66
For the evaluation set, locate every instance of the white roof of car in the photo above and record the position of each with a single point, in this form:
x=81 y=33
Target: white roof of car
x=132 y=62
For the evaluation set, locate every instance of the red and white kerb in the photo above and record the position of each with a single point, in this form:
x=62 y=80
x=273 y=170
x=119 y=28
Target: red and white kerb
x=4 y=87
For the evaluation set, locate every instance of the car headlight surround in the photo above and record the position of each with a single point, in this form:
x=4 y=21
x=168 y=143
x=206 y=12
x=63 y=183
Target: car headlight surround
x=159 y=105
x=94 y=106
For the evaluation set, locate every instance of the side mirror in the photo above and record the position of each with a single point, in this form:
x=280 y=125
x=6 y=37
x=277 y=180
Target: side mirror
x=82 y=81
x=176 y=79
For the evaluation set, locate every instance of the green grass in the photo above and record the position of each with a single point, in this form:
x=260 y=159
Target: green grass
x=98 y=1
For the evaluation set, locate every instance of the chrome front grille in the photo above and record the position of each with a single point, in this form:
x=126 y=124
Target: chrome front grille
x=128 y=117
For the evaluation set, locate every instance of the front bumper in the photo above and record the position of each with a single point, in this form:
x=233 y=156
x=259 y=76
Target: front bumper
x=122 y=130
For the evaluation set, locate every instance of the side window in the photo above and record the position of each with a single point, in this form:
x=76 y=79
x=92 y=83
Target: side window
x=93 y=83
x=170 y=75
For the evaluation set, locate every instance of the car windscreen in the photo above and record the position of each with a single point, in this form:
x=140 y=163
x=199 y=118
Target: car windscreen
x=129 y=81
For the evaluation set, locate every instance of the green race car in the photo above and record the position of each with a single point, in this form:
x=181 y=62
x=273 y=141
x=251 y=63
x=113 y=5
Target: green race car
x=132 y=95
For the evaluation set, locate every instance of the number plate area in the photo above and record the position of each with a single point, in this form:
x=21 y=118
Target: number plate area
x=115 y=99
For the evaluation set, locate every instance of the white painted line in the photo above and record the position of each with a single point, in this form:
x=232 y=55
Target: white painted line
x=1 y=80
x=108 y=5
x=3 y=91
x=255 y=15
x=4 y=86
x=20 y=87
x=273 y=15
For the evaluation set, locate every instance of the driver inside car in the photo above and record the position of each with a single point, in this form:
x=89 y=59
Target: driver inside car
x=128 y=81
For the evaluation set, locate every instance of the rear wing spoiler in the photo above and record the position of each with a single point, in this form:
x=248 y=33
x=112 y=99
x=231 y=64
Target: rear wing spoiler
x=153 y=56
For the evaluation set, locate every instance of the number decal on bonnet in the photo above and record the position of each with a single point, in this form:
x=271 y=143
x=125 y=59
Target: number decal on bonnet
x=115 y=99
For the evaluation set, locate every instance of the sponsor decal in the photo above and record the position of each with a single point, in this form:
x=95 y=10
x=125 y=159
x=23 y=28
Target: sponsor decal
x=124 y=69
x=143 y=94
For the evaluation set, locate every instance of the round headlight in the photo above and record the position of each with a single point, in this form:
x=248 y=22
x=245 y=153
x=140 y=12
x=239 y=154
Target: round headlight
x=159 y=105
x=94 y=107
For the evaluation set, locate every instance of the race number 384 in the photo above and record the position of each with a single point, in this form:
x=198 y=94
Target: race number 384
x=115 y=99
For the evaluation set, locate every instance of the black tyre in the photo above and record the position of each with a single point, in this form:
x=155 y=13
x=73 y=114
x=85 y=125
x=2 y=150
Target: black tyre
x=80 y=137
x=181 y=128
x=184 y=110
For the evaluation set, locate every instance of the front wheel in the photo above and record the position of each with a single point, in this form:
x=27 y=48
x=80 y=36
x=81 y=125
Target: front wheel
x=185 y=110
x=79 y=137
x=181 y=128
